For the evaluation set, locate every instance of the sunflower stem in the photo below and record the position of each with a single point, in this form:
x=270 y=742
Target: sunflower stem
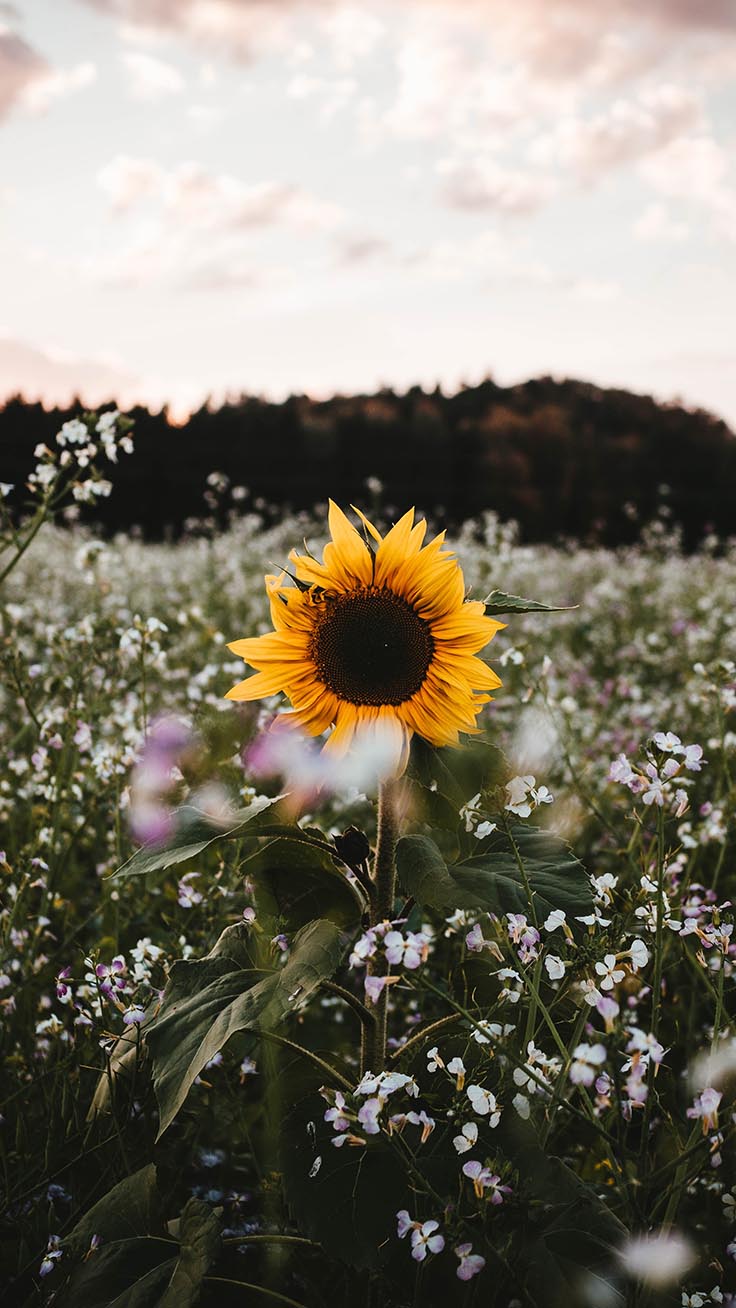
x=373 y=1050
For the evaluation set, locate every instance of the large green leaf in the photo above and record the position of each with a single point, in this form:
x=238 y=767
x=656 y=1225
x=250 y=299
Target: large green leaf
x=199 y=1234
x=131 y=1208
x=194 y=832
x=122 y=1274
x=299 y=881
x=456 y=774
x=499 y=602
x=207 y=1002
x=574 y=1257
x=346 y=1199
x=492 y=879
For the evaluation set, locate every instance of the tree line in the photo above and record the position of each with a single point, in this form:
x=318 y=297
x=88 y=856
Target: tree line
x=562 y=458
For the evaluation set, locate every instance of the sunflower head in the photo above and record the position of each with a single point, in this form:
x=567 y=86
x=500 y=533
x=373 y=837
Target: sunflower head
x=376 y=638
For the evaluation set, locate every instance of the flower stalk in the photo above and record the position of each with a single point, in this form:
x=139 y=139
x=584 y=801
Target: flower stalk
x=373 y=1052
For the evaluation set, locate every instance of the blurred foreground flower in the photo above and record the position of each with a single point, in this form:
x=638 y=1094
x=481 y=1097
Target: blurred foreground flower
x=378 y=634
x=308 y=771
x=659 y=1258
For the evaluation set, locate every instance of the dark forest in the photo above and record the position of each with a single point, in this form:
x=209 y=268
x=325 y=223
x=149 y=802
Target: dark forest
x=565 y=459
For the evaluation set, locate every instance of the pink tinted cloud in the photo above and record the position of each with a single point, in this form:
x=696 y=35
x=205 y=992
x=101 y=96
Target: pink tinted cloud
x=20 y=67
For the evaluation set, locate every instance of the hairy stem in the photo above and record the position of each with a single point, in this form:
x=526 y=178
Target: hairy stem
x=373 y=1051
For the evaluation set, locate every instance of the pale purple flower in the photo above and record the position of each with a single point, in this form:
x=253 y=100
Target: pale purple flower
x=456 y=1068
x=470 y=1263
x=375 y=985
x=555 y=967
x=369 y=1114
x=693 y=759
x=608 y=1009
x=467 y=1138
x=423 y=1238
x=517 y=925
x=187 y=893
x=517 y=795
x=336 y=1114
x=621 y=771
x=586 y=1058
x=484 y=1104
x=421 y=1119
x=555 y=919
x=609 y=973
x=83 y=737
x=705 y=1106
x=434 y=1061
x=484 y=829
x=653 y=792
x=639 y=954
x=53 y=1253
x=134 y=1015
x=484 y=1179
x=411 y=950
x=404 y=1224
x=668 y=742
x=474 y=940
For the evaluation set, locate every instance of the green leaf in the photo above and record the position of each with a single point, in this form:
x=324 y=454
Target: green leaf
x=491 y=879
x=194 y=832
x=499 y=602
x=131 y=1208
x=199 y=1233
x=347 y=1201
x=576 y=1247
x=122 y=1274
x=122 y=1064
x=207 y=1002
x=298 y=882
x=457 y=774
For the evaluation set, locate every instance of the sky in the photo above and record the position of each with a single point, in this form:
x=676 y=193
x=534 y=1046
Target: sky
x=209 y=197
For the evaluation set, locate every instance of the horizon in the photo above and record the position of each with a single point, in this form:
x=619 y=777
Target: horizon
x=444 y=192
x=180 y=417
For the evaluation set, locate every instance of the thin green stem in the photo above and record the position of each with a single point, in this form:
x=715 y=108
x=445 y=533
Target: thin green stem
x=331 y=1072
x=373 y=1050
x=259 y=1289
x=426 y=1033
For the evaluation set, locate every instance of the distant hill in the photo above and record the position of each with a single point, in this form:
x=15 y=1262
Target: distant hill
x=563 y=458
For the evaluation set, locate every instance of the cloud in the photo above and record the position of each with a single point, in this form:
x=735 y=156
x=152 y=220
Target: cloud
x=625 y=132
x=57 y=376
x=698 y=170
x=192 y=196
x=238 y=29
x=56 y=84
x=657 y=224
x=20 y=67
x=151 y=79
x=484 y=184
x=28 y=82
x=193 y=228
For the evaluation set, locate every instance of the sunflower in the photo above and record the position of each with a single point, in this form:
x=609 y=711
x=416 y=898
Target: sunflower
x=378 y=636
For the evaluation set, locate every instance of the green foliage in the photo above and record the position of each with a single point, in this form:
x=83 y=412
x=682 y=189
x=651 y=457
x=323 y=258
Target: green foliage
x=493 y=879
x=455 y=774
x=199 y=1246
x=298 y=880
x=149 y=1269
x=194 y=832
x=132 y=1207
x=498 y=602
x=207 y=1002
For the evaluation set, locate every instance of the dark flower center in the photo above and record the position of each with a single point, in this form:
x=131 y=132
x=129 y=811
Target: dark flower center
x=371 y=647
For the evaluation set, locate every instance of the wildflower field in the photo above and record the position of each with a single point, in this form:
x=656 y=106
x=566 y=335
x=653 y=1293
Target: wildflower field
x=260 y=1047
